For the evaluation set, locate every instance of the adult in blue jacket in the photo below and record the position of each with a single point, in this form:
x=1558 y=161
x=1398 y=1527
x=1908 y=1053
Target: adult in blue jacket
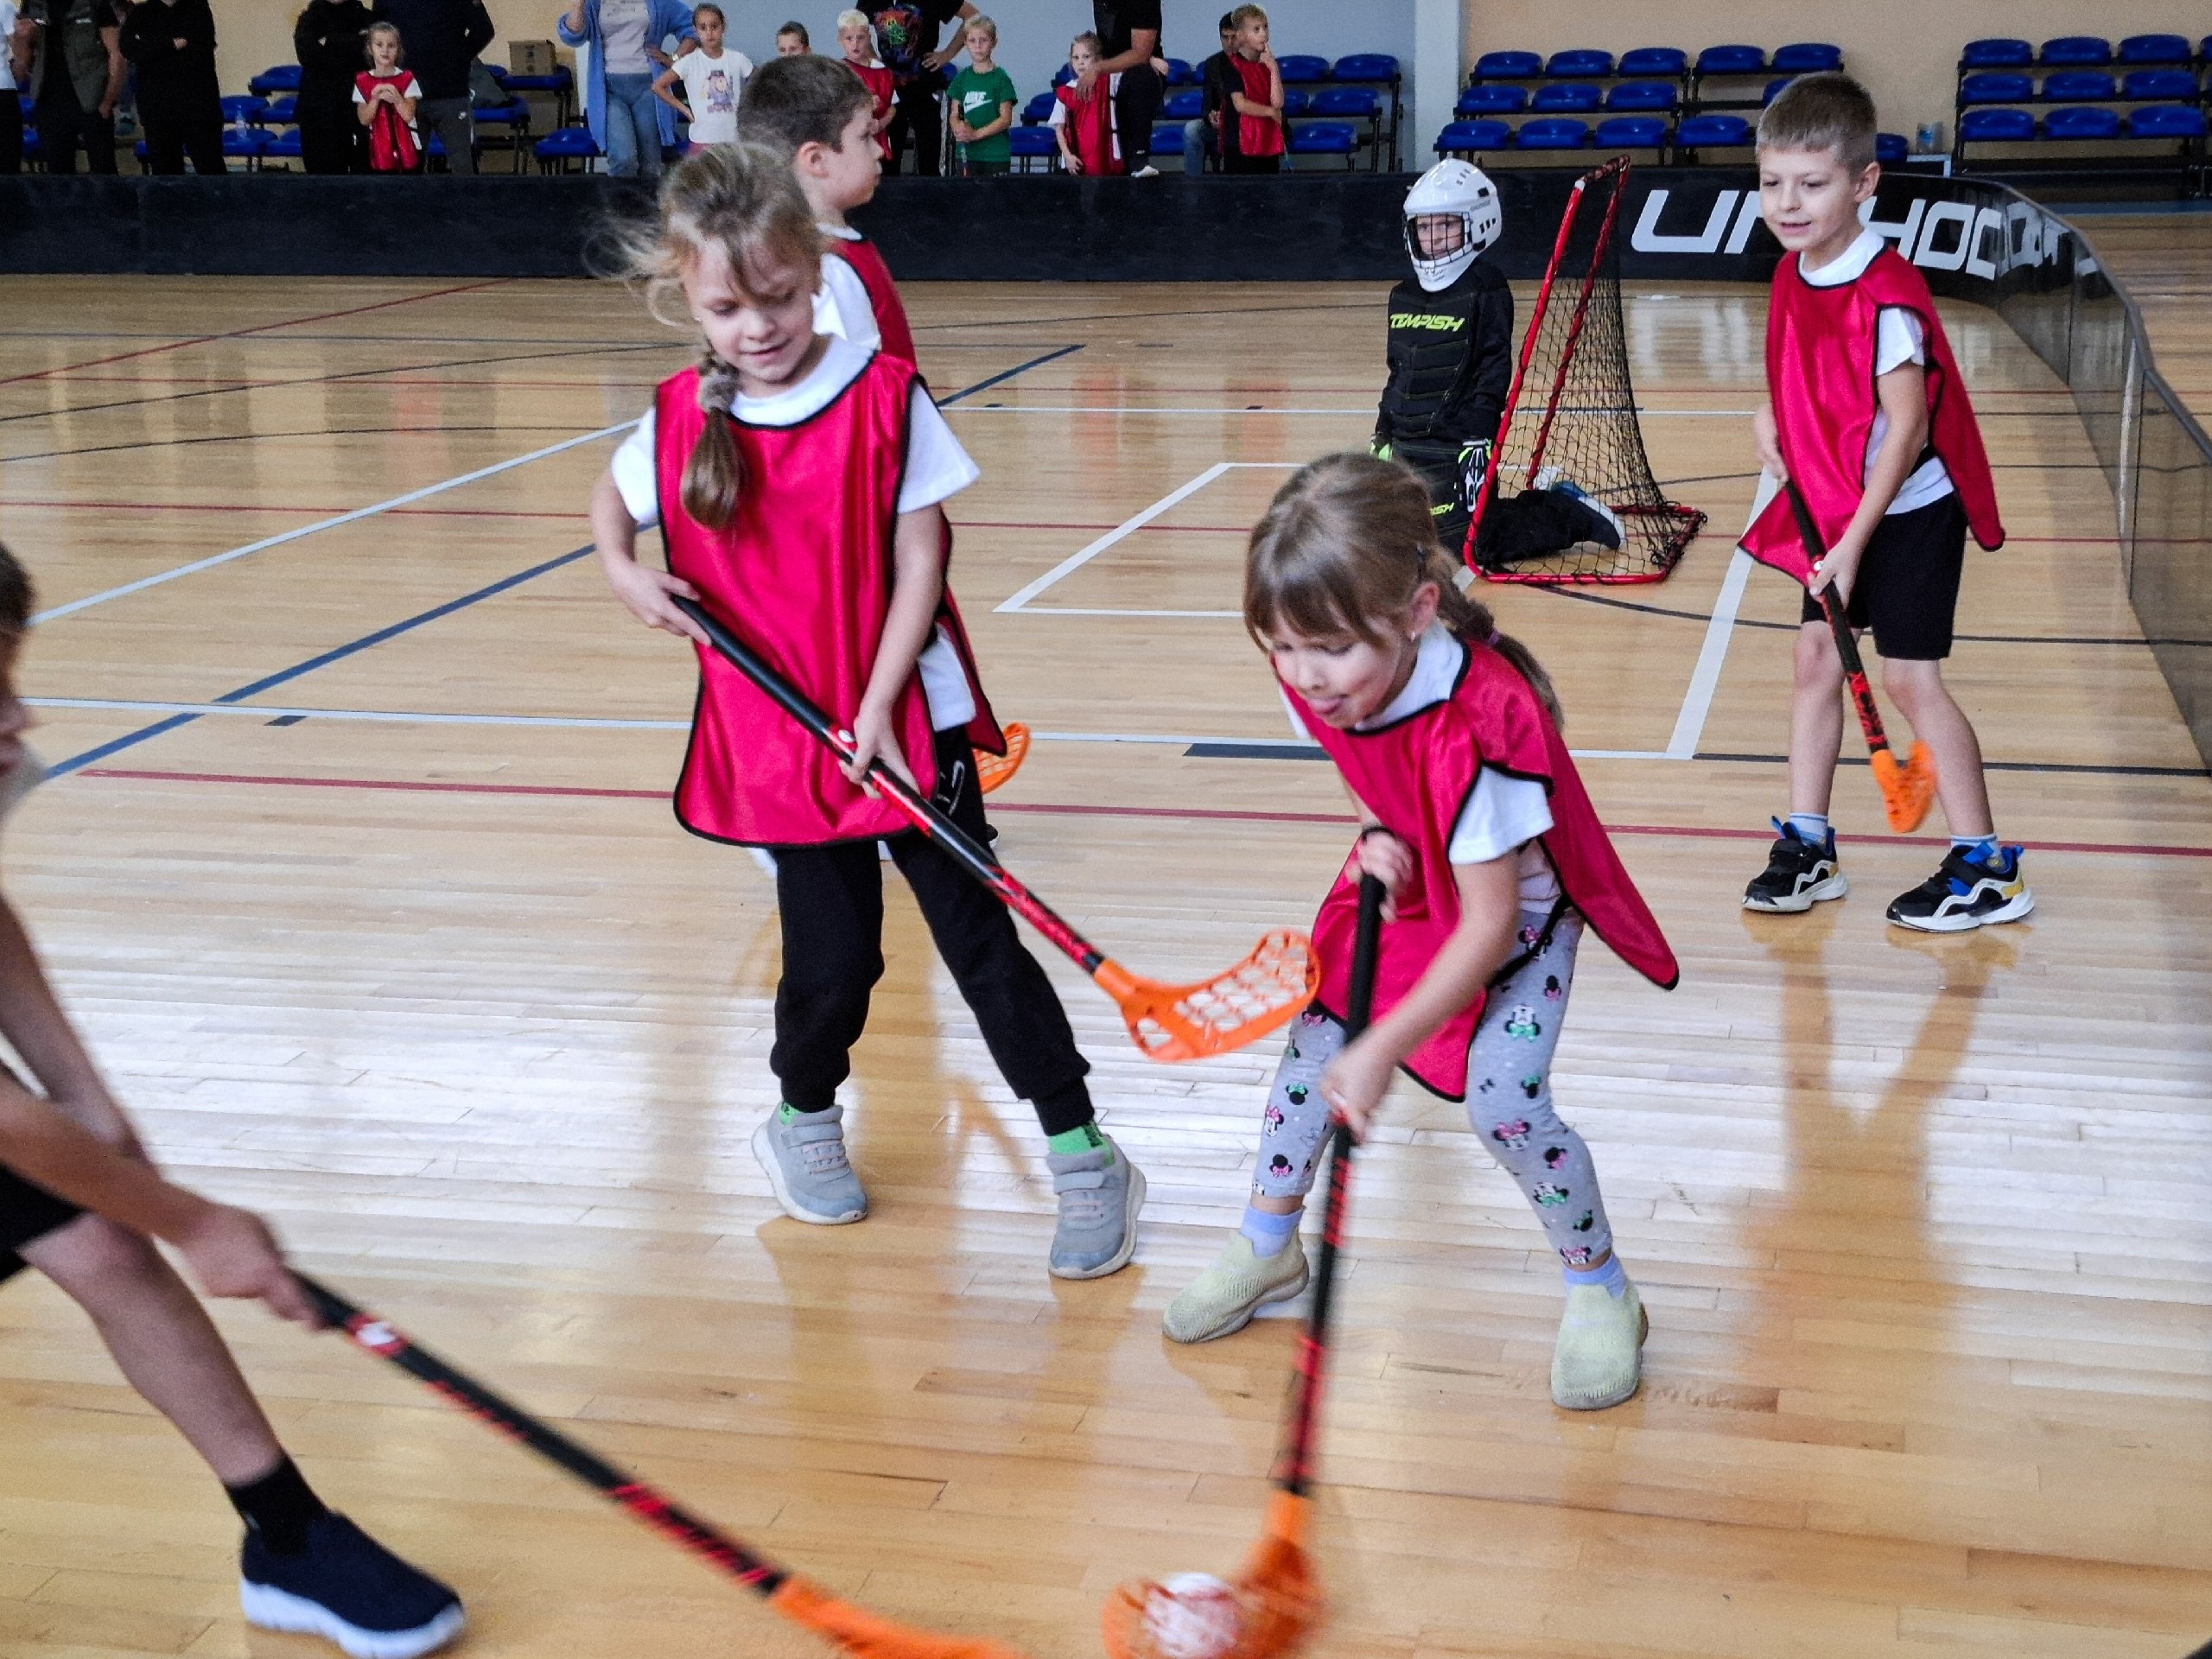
x=628 y=122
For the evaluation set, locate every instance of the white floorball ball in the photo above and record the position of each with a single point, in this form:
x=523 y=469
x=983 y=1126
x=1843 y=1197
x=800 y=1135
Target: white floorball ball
x=1192 y=1616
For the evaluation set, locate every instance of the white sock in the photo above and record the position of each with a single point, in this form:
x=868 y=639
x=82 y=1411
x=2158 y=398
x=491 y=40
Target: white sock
x=1612 y=1276
x=1812 y=826
x=1268 y=1233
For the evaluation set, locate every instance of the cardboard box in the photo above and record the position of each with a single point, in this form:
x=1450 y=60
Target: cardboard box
x=531 y=58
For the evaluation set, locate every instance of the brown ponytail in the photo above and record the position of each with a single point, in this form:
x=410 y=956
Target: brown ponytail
x=1345 y=545
x=743 y=198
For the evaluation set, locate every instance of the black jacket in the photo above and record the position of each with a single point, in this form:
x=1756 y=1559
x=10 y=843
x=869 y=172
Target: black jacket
x=1450 y=356
x=439 y=37
x=331 y=41
x=168 y=72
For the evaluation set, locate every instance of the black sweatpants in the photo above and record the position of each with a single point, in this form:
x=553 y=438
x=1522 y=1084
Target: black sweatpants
x=1136 y=106
x=176 y=128
x=66 y=126
x=918 y=115
x=831 y=898
x=11 y=131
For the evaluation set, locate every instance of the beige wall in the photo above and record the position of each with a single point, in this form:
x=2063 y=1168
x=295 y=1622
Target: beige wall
x=1905 y=50
x=250 y=34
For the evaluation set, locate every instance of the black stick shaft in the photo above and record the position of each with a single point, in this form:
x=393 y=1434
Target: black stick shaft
x=671 y=1520
x=1297 y=1471
x=1847 y=643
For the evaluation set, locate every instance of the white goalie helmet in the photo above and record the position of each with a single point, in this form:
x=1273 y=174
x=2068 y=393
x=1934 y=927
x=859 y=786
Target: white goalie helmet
x=1452 y=187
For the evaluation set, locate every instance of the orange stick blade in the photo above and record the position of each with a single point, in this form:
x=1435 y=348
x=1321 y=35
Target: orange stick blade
x=1221 y=1014
x=1278 y=1595
x=1908 y=790
x=992 y=770
x=867 y=1636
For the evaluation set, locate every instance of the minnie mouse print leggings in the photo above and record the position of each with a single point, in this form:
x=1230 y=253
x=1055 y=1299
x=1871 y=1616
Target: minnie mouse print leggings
x=1508 y=1099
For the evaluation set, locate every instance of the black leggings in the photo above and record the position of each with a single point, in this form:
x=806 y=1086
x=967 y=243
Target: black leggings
x=831 y=898
x=186 y=127
x=1136 y=106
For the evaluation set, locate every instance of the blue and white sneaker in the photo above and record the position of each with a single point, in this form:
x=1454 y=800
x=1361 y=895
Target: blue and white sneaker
x=1601 y=523
x=349 y=1589
x=1799 y=873
x=1967 y=892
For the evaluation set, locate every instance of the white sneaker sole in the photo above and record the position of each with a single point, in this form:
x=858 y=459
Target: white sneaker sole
x=1833 y=888
x=764 y=1155
x=1288 y=1291
x=1965 y=922
x=1132 y=1201
x=272 y=1609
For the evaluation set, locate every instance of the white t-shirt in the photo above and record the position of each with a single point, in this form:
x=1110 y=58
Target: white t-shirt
x=1898 y=340
x=622 y=37
x=712 y=87
x=408 y=87
x=1503 y=813
x=7 y=46
x=841 y=306
x=937 y=468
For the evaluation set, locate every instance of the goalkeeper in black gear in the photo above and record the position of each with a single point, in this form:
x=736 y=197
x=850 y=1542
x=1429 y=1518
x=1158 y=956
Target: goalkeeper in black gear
x=1451 y=347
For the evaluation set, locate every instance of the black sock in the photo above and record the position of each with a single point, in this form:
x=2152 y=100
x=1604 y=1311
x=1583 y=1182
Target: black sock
x=280 y=1506
x=1065 y=1108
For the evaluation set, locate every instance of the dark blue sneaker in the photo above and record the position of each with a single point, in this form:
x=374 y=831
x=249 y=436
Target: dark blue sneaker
x=349 y=1588
x=1967 y=892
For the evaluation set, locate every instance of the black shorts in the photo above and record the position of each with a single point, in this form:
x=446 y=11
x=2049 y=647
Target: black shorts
x=1907 y=586
x=27 y=1211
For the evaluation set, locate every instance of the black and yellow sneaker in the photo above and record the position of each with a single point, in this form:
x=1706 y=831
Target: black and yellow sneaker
x=1799 y=873
x=1967 y=892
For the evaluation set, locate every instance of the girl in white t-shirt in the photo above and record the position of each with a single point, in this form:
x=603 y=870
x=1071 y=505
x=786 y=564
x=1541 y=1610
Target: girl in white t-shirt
x=712 y=82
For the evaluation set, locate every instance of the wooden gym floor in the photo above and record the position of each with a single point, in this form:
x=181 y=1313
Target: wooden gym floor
x=370 y=899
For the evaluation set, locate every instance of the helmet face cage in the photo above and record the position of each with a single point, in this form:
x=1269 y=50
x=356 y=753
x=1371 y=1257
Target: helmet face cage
x=1452 y=189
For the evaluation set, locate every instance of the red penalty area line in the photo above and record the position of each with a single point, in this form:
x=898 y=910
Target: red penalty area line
x=1200 y=815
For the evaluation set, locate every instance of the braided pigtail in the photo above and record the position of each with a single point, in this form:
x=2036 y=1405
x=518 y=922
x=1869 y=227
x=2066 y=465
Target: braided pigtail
x=715 y=475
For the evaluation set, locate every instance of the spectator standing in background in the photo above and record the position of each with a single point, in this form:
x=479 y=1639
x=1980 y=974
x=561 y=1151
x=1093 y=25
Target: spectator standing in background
x=179 y=105
x=628 y=122
x=712 y=81
x=1082 y=115
x=905 y=37
x=331 y=41
x=983 y=101
x=793 y=41
x=1252 y=124
x=1202 y=137
x=76 y=79
x=1129 y=40
x=388 y=96
x=857 y=40
x=14 y=69
x=441 y=37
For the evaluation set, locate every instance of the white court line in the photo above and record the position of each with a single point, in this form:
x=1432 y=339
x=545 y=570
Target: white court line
x=1173 y=499
x=1704 y=678
x=267 y=542
x=1363 y=411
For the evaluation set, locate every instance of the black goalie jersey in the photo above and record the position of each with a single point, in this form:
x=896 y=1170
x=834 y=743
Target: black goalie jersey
x=1451 y=358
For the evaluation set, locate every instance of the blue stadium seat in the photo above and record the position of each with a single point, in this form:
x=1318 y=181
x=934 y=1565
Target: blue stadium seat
x=1508 y=65
x=1167 y=138
x=2082 y=121
x=1031 y=145
x=1554 y=132
x=1712 y=132
x=1295 y=103
x=2165 y=121
x=1807 y=57
x=1656 y=60
x=1565 y=96
x=285 y=78
x=562 y=80
x=1465 y=137
x=1731 y=60
x=1355 y=102
x=249 y=144
x=2154 y=48
x=1302 y=69
x=1773 y=89
x=1891 y=149
x=1181 y=73
x=1643 y=95
x=1038 y=109
x=1988 y=88
x=285 y=146
x=2078 y=86
x=2160 y=86
x=279 y=112
x=237 y=112
x=2075 y=51
x=1176 y=106
x=514 y=115
x=1063 y=75
x=1368 y=66
x=1582 y=60
x=1631 y=132
x=1996 y=126
x=1324 y=138
x=565 y=144
x=1491 y=100
x=1999 y=52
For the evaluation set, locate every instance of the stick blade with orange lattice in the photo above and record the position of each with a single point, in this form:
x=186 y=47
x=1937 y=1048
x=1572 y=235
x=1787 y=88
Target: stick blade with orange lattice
x=1217 y=1015
x=992 y=770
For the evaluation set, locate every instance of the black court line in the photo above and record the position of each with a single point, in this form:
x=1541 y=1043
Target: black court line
x=259 y=437
x=270 y=682
x=1608 y=600
x=1000 y=379
x=1144 y=316
x=428 y=340
x=1315 y=751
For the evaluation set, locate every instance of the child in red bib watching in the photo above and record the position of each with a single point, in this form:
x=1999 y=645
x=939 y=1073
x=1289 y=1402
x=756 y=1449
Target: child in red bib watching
x=1083 y=120
x=799 y=481
x=385 y=97
x=1867 y=418
x=857 y=40
x=1251 y=130
x=1446 y=734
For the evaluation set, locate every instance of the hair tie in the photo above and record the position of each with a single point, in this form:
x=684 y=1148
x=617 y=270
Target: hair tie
x=1494 y=640
x=717 y=385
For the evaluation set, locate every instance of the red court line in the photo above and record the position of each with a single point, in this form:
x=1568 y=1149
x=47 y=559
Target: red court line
x=260 y=328
x=266 y=506
x=1057 y=809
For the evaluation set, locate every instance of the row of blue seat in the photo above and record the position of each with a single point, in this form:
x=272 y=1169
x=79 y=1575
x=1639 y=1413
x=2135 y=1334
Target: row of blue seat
x=1343 y=103
x=2080 y=87
x=240 y=111
x=1620 y=132
x=285 y=78
x=2083 y=52
x=2079 y=121
x=1802 y=58
x=1298 y=69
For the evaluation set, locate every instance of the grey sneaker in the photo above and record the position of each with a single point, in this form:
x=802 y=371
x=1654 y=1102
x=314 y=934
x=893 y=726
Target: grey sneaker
x=807 y=1166
x=1101 y=1192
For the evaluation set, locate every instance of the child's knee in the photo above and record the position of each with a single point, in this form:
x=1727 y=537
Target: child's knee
x=1911 y=683
x=1816 y=663
x=96 y=1261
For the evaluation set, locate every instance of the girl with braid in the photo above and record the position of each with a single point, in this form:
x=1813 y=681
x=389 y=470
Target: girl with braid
x=797 y=479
